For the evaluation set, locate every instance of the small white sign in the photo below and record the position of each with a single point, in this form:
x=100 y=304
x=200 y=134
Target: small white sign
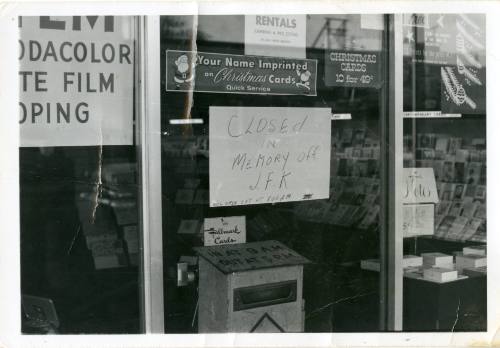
x=429 y=114
x=262 y=155
x=275 y=35
x=419 y=186
x=224 y=230
x=339 y=117
x=418 y=220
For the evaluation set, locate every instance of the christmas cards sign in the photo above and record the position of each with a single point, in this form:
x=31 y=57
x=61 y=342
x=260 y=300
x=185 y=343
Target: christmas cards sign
x=264 y=155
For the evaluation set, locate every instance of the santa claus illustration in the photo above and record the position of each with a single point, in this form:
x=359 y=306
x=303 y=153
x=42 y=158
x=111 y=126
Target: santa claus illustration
x=185 y=69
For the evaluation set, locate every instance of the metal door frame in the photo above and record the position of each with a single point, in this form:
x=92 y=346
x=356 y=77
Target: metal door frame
x=149 y=125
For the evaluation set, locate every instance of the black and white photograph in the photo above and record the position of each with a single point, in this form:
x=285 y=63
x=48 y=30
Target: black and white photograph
x=195 y=173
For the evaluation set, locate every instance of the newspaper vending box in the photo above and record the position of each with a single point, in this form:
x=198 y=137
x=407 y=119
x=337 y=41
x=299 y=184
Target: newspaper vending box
x=251 y=287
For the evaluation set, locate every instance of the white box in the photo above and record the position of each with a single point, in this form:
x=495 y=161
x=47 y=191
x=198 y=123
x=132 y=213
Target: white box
x=437 y=259
x=470 y=261
x=250 y=287
x=371 y=265
x=412 y=261
x=475 y=250
x=439 y=274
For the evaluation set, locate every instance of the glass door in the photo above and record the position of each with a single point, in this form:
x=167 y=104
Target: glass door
x=272 y=194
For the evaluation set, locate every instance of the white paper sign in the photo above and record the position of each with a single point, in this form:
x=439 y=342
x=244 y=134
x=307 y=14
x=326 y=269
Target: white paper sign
x=76 y=80
x=419 y=186
x=418 y=220
x=429 y=114
x=264 y=155
x=341 y=117
x=275 y=35
x=224 y=230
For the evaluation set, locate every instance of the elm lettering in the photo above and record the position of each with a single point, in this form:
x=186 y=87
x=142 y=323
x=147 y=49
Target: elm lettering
x=45 y=22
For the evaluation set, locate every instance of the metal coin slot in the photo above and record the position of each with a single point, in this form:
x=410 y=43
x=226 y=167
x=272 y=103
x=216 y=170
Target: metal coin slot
x=264 y=295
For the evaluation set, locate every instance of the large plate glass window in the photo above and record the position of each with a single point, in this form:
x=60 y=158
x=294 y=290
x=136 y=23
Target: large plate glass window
x=270 y=136
x=444 y=193
x=80 y=247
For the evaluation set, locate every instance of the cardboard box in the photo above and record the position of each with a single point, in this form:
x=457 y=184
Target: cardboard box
x=439 y=274
x=371 y=265
x=437 y=259
x=412 y=261
x=470 y=261
x=475 y=250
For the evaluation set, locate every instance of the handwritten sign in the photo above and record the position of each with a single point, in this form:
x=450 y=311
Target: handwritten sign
x=418 y=219
x=230 y=73
x=224 y=230
x=76 y=80
x=419 y=186
x=353 y=68
x=250 y=256
x=268 y=154
x=275 y=35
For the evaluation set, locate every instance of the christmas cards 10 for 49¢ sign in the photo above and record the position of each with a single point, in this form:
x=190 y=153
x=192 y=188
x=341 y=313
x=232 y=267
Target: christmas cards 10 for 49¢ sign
x=262 y=155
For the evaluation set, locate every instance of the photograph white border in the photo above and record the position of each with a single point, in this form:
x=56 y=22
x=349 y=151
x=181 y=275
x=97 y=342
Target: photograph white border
x=10 y=336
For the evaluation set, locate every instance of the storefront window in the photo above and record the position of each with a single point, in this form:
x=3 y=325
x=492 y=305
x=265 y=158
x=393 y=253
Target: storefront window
x=239 y=173
x=445 y=177
x=80 y=247
x=271 y=172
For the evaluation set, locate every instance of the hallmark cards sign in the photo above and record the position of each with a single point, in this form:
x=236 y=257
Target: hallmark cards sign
x=76 y=80
x=264 y=155
x=229 y=73
x=224 y=230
